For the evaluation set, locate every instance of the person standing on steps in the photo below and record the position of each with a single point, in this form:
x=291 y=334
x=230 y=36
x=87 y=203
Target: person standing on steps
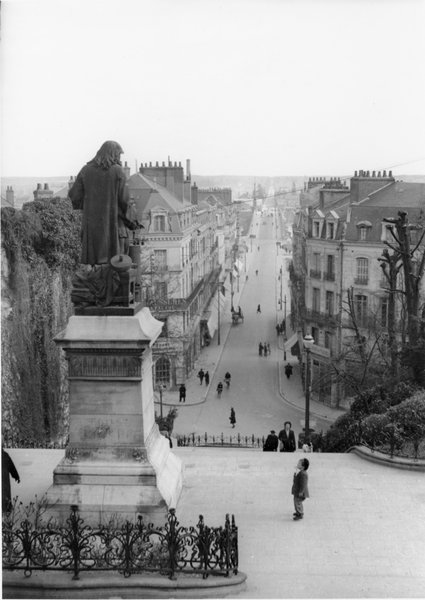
x=201 y=375
x=272 y=442
x=287 y=438
x=207 y=378
x=232 y=418
x=300 y=487
x=182 y=393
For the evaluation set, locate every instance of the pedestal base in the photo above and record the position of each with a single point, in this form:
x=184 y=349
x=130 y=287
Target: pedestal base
x=117 y=462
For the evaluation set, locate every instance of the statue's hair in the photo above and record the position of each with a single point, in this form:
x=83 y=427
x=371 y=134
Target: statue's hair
x=108 y=154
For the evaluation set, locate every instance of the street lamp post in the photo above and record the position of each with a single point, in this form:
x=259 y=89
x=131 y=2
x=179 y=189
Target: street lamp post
x=161 y=388
x=308 y=343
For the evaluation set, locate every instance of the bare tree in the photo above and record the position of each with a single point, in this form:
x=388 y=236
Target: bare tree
x=412 y=258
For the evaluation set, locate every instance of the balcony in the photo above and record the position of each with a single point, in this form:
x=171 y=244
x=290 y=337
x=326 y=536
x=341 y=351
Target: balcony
x=361 y=280
x=320 y=318
x=329 y=276
x=315 y=274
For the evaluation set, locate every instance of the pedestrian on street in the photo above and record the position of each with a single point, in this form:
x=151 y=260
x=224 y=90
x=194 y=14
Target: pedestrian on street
x=287 y=438
x=201 y=375
x=182 y=393
x=260 y=349
x=278 y=329
x=7 y=468
x=207 y=378
x=232 y=417
x=258 y=309
x=256 y=271
x=300 y=487
x=265 y=348
x=219 y=389
x=227 y=379
x=288 y=370
x=272 y=442
x=268 y=349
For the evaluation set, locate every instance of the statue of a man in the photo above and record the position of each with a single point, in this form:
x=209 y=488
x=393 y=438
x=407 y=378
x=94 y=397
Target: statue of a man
x=101 y=191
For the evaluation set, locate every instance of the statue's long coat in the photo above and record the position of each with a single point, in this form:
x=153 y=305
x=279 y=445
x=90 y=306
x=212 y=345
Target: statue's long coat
x=103 y=196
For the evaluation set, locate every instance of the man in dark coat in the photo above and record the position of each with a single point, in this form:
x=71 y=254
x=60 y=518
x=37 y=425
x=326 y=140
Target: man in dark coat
x=272 y=442
x=287 y=438
x=300 y=487
x=182 y=393
x=288 y=370
x=7 y=468
x=101 y=191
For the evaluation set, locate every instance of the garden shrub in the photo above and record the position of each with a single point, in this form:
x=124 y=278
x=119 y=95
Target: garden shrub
x=374 y=429
x=409 y=416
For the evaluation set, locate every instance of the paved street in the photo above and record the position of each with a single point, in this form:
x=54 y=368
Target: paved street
x=261 y=395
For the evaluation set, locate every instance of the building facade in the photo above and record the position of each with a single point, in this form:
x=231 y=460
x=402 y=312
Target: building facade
x=339 y=292
x=181 y=259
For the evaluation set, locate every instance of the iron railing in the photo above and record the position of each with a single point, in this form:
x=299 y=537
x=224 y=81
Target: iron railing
x=131 y=548
x=221 y=441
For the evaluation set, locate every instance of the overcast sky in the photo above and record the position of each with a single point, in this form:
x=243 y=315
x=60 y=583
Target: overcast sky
x=244 y=87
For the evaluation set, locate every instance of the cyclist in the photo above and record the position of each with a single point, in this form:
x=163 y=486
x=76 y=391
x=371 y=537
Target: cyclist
x=227 y=379
x=219 y=389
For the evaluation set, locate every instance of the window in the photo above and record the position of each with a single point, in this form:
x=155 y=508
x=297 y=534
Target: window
x=160 y=259
x=362 y=270
x=315 y=334
x=160 y=288
x=316 y=228
x=330 y=273
x=162 y=370
x=159 y=223
x=328 y=340
x=316 y=299
x=330 y=231
x=315 y=265
x=360 y=307
x=164 y=330
x=329 y=303
x=362 y=233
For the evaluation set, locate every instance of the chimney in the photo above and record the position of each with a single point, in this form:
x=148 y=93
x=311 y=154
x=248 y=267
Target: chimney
x=10 y=196
x=70 y=182
x=126 y=170
x=188 y=176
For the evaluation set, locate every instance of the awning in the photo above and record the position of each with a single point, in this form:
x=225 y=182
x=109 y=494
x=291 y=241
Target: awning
x=291 y=342
x=212 y=322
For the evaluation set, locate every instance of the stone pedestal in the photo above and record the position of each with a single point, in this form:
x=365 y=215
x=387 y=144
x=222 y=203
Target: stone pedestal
x=116 y=461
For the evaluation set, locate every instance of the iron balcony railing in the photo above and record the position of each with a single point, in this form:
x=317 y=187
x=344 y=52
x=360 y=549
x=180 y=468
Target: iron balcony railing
x=315 y=274
x=329 y=276
x=131 y=548
x=221 y=441
x=320 y=317
x=361 y=280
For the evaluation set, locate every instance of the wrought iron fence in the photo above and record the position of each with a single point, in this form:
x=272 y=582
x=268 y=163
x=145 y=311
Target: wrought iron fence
x=128 y=549
x=232 y=441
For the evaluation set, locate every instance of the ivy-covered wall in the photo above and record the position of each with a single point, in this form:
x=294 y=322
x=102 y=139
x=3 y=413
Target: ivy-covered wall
x=40 y=252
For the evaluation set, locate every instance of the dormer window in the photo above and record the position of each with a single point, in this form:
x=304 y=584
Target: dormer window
x=316 y=229
x=330 y=230
x=159 y=223
x=362 y=228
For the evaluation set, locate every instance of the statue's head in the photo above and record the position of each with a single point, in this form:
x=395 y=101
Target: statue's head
x=108 y=154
